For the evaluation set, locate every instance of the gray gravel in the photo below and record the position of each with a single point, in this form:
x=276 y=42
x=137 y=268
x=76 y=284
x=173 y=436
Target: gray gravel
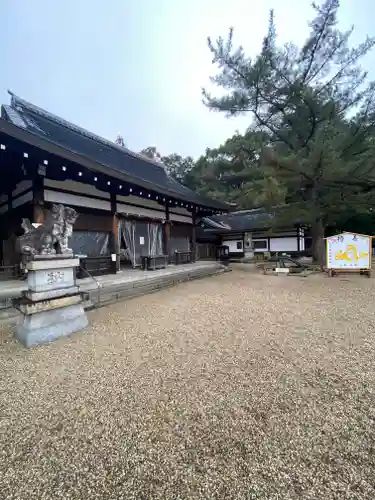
x=239 y=386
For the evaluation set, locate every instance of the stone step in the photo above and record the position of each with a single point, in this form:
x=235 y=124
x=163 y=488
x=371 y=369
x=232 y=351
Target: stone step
x=9 y=316
x=108 y=295
x=112 y=292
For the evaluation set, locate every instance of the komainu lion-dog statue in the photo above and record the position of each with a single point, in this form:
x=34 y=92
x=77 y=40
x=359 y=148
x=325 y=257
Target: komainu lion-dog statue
x=51 y=237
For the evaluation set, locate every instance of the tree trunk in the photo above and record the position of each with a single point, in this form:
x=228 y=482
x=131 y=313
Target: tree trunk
x=318 y=246
x=317 y=226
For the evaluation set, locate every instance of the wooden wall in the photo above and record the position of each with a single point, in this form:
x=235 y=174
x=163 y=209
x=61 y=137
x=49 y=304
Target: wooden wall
x=93 y=222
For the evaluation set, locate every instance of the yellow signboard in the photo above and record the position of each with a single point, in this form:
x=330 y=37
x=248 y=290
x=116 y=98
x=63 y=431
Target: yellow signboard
x=349 y=251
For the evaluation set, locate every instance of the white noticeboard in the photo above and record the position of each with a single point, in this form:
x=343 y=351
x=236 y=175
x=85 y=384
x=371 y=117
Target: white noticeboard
x=141 y=240
x=349 y=251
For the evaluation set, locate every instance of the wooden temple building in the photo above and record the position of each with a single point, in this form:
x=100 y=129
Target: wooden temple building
x=128 y=205
x=253 y=233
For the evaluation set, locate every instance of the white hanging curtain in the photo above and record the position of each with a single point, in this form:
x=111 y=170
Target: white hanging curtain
x=160 y=240
x=155 y=240
x=128 y=233
x=151 y=239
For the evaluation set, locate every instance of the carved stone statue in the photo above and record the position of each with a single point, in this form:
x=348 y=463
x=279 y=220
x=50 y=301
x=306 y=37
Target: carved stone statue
x=51 y=237
x=70 y=216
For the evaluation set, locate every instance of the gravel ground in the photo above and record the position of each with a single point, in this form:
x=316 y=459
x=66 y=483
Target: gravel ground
x=239 y=386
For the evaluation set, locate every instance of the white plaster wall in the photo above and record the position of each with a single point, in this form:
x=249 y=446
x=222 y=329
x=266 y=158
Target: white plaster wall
x=181 y=211
x=21 y=200
x=283 y=244
x=175 y=212
x=21 y=186
x=150 y=209
x=140 y=201
x=76 y=187
x=232 y=244
x=123 y=208
x=75 y=200
x=156 y=212
x=181 y=218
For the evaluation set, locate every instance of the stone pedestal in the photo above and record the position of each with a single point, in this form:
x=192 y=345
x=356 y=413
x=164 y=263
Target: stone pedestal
x=52 y=305
x=249 y=254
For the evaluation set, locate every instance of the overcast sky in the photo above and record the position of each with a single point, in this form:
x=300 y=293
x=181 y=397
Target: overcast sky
x=136 y=67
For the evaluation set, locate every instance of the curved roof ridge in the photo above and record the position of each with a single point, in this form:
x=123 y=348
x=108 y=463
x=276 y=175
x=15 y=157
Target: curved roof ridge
x=216 y=224
x=247 y=211
x=13 y=115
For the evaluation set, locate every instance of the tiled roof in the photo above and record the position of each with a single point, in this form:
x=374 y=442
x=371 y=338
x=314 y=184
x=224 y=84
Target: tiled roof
x=244 y=220
x=117 y=158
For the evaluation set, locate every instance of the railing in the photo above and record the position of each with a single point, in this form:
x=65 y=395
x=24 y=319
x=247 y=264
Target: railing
x=10 y=272
x=152 y=262
x=82 y=273
x=206 y=251
x=96 y=266
x=183 y=257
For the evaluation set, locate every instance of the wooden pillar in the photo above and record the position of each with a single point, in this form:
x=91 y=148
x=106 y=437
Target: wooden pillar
x=9 y=202
x=167 y=232
x=194 y=236
x=2 y=238
x=114 y=240
x=38 y=214
x=8 y=232
x=38 y=200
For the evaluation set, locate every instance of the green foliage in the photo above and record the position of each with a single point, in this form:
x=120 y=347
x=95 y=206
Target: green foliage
x=178 y=167
x=315 y=112
x=311 y=144
x=231 y=173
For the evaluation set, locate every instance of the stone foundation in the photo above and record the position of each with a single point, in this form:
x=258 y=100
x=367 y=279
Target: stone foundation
x=52 y=305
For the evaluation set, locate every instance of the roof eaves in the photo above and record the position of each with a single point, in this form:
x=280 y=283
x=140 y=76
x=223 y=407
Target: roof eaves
x=25 y=135
x=223 y=205
x=215 y=224
x=18 y=105
x=18 y=102
x=13 y=116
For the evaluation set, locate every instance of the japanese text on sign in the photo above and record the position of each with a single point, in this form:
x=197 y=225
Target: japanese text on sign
x=349 y=251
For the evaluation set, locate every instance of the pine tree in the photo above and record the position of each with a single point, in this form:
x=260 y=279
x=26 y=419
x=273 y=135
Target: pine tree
x=317 y=109
x=231 y=173
x=178 y=167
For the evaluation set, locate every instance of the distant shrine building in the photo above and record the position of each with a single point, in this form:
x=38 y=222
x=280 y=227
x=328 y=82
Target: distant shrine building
x=128 y=205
